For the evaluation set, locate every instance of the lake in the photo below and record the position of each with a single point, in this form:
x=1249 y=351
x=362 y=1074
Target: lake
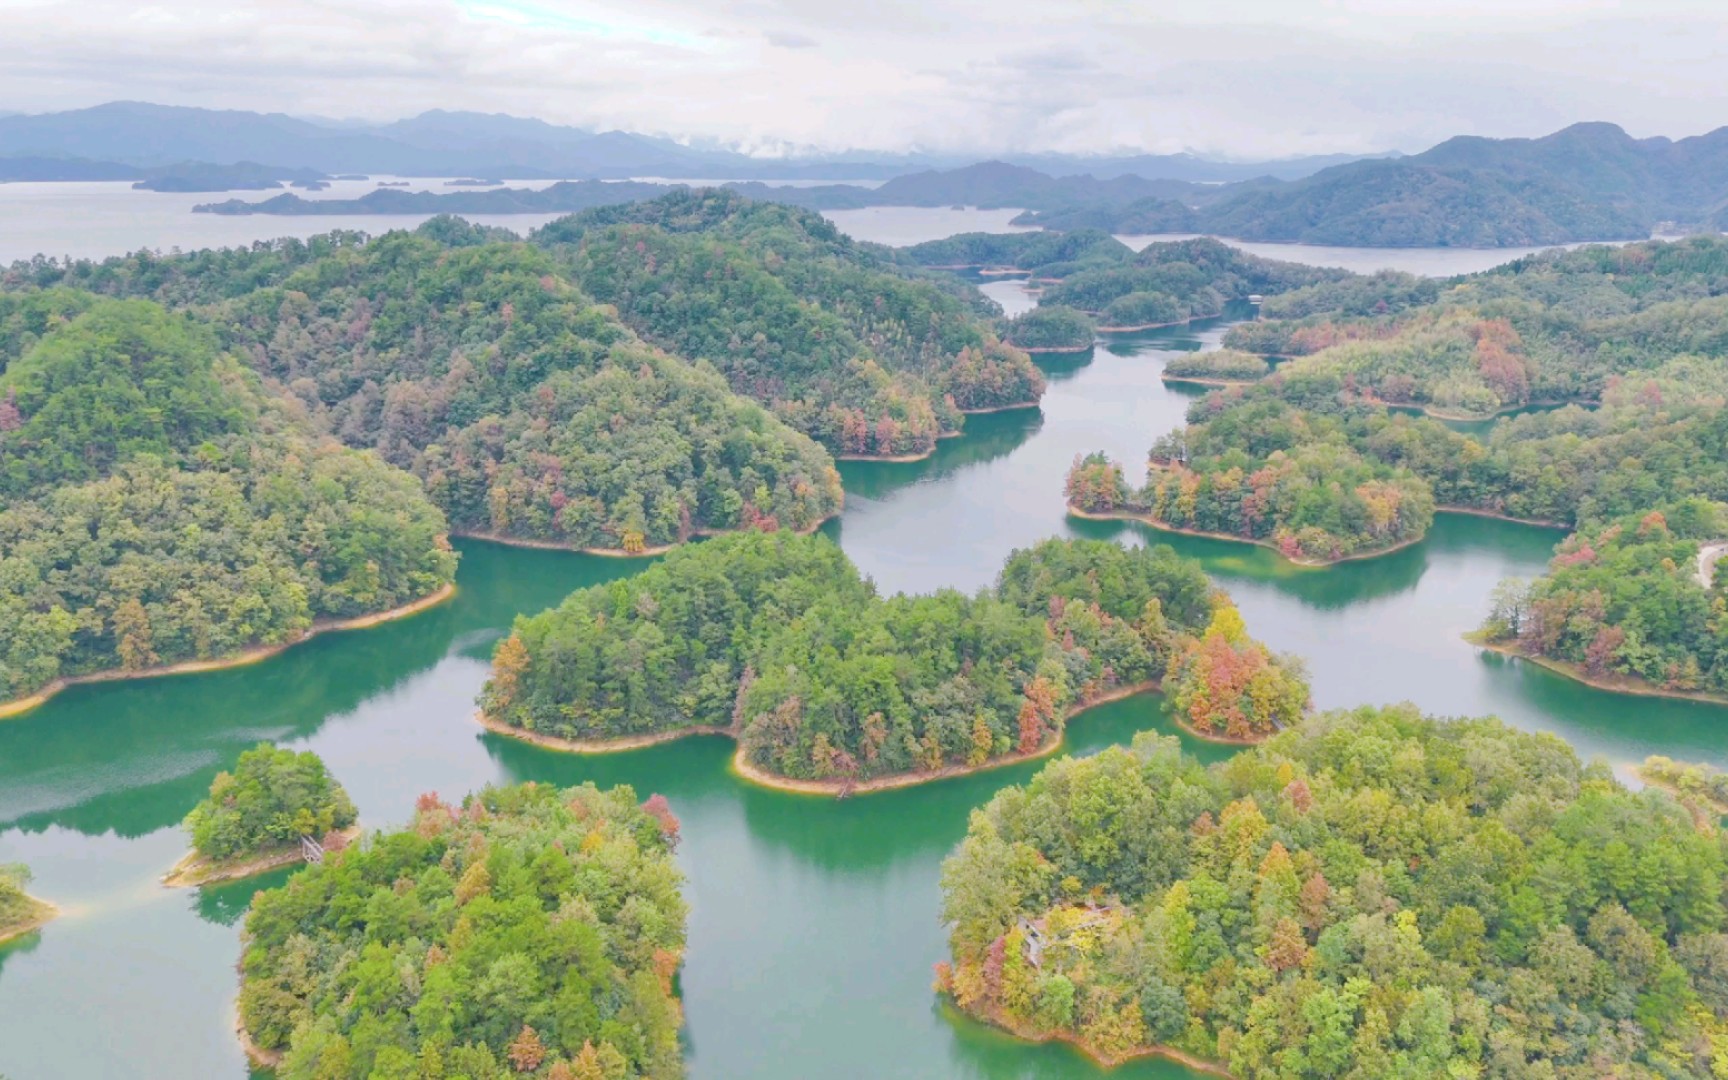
x=97 y=219
x=813 y=922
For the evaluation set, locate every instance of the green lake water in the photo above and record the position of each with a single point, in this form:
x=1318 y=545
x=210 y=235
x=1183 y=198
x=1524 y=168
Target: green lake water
x=813 y=922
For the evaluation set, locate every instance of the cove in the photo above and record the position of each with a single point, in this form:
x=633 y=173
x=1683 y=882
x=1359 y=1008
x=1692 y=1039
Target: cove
x=814 y=923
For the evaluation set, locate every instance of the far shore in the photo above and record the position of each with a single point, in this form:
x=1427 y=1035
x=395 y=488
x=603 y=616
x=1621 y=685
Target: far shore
x=194 y=870
x=1129 y=515
x=1614 y=684
x=42 y=913
x=830 y=787
x=1108 y=1061
x=19 y=706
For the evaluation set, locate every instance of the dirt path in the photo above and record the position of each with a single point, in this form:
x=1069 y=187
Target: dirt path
x=1707 y=558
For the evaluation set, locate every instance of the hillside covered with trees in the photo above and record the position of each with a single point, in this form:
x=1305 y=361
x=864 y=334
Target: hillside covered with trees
x=528 y=932
x=1371 y=894
x=840 y=339
x=527 y=410
x=1558 y=326
x=157 y=505
x=780 y=642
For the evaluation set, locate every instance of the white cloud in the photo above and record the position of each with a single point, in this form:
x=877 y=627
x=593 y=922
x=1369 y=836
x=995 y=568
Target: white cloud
x=1245 y=78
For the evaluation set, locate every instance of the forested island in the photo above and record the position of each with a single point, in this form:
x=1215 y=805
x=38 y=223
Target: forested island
x=20 y=913
x=777 y=641
x=256 y=818
x=1163 y=283
x=1268 y=474
x=1053 y=329
x=1373 y=893
x=529 y=931
x=163 y=511
x=1628 y=605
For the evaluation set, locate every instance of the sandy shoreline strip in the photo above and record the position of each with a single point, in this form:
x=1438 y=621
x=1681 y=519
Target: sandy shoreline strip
x=19 y=706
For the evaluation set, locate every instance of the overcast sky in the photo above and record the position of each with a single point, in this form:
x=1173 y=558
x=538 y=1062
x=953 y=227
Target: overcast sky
x=1235 y=78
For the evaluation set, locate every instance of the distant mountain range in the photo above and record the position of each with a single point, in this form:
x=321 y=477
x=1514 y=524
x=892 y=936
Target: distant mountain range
x=1588 y=182
x=441 y=143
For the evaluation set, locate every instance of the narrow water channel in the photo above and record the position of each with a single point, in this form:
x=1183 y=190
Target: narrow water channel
x=814 y=922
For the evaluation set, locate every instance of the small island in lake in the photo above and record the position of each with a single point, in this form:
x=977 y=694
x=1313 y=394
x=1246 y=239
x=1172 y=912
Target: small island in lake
x=777 y=641
x=20 y=913
x=1052 y=329
x=1216 y=367
x=1371 y=893
x=1267 y=474
x=275 y=809
x=528 y=932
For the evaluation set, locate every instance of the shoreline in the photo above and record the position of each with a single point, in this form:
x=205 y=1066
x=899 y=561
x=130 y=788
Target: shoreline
x=1307 y=564
x=1107 y=1061
x=257 y=1055
x=1222 y=740
x=41 y=914
x=752 y=773
x=1050 y=349
x=193 y=872
x=257 y=654
x=1201 y=380
x=1698 y=808
x=593 y=746
x=620 y=553
x=1151 y=325
x=1622 y=684
x=1497 y=516
x=1002 y=408
x=898 y=459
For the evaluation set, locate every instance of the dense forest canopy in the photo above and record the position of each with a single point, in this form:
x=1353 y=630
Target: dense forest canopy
x=271 y=799
x=527 y=932
x=779 y=640
x=1371 y=894
x=1559 y=326
x=842 y=340
x=157 y=505
x=1626 y=598
x=526 y=409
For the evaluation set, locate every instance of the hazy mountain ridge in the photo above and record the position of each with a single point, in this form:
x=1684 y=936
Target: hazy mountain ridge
x=447 y=143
